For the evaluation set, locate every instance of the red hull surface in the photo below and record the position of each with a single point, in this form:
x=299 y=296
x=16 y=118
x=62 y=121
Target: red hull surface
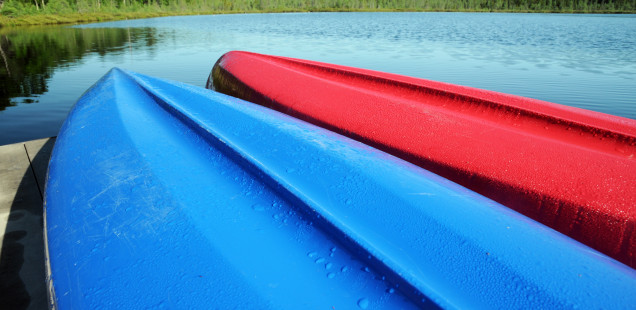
x=571 y=169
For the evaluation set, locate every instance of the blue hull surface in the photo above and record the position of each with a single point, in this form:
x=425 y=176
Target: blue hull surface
x=165 y=195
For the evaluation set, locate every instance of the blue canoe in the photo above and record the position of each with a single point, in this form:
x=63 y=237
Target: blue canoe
x=165 y=195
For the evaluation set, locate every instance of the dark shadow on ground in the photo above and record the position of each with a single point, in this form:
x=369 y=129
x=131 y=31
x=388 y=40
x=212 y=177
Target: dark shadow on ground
x=22 y=269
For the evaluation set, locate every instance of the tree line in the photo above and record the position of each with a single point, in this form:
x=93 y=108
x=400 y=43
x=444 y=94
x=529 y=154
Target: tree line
x=21 y=7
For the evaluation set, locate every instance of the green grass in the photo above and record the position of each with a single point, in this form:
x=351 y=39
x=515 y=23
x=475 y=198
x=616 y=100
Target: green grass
x=73 y=18
x=16 y=13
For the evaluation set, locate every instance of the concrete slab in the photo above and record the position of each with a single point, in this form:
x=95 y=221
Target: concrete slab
x=39 y=152
x=22 y=275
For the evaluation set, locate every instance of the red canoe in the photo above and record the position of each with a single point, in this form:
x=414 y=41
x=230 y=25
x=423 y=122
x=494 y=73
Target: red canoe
x=571 y=169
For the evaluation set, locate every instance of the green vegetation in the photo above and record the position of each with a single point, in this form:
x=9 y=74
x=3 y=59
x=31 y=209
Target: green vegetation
x=30 y=12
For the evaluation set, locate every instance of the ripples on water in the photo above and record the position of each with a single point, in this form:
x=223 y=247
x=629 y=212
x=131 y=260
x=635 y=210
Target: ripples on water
x=587 y=61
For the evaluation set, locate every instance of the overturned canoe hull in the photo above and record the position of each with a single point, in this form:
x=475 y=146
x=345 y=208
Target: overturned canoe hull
x=571 y=169
x=161 y=194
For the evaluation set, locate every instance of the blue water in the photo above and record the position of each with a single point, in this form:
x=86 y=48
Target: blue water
x=586 y=61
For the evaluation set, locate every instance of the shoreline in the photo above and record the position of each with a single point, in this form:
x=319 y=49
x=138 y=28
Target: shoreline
x=97 y=17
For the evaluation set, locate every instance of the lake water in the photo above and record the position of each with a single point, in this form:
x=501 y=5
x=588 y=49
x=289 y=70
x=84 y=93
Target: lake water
x=587 y=61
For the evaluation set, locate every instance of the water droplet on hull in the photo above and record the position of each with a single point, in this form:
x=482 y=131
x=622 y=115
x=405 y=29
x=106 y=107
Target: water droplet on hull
x=363 y=303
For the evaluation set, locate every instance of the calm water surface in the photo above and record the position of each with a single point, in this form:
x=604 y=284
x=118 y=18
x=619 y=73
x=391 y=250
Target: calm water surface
x=587 y=61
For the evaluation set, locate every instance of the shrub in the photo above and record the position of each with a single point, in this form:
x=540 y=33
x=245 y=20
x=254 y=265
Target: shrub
x=15 y=8
x=58 y=7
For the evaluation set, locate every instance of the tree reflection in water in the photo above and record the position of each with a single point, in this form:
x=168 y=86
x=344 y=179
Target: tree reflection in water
x=29 y=56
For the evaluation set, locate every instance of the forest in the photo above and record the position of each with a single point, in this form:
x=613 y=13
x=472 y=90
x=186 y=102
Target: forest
x=21 y=12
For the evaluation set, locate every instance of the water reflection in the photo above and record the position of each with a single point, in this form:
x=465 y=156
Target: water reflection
x=31 y=55
x=586 y=61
